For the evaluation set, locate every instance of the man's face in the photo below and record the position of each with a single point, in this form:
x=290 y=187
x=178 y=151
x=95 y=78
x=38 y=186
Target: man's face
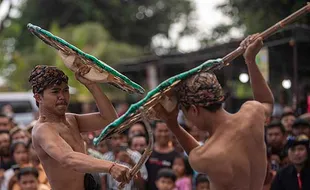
x=298 y=154
x=287 y=122
x=162 y=134
x=165 y=183
x=138 y=144
x=28 y=182
x=301 y=129
x=275 y=137
x=4 y=144
x=4 y=123
x=56 y=98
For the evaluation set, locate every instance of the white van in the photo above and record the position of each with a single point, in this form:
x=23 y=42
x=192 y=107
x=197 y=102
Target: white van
x=23 y=103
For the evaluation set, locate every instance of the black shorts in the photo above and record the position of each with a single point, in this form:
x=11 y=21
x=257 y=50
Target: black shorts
x=92 y=182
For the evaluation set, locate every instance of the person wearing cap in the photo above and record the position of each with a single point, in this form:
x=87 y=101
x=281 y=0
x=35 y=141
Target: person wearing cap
x=301 y=126
x=234 y=157
x=297 y=174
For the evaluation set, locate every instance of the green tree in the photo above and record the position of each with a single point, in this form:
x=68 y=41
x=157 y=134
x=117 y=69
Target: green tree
x=130 y=21
x=98 y=42
x=258 y=15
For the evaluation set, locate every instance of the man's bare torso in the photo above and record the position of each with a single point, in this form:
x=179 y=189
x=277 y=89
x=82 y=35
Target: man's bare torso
x=59 y=177
x=235 y=156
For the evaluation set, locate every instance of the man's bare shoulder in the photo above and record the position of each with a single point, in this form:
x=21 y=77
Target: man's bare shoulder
x=252 y=107
x=41 y=130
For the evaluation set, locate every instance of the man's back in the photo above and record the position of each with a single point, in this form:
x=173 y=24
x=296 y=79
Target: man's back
x=235 y=155
x=59 y=176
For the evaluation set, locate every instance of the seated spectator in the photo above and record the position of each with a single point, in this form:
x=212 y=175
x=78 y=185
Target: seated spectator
x=202 y=182
x=165 y=179
x=297 y=174
x=300 y=127
x=183 y=172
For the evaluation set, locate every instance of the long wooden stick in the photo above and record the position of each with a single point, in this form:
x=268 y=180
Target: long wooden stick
x=291 y=18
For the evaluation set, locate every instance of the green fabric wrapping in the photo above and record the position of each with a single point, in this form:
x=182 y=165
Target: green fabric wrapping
x=36 y=30
x=109 y=130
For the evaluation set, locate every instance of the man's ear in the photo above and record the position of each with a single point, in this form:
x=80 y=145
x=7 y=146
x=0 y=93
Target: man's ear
x=194 y=110
x=37 y=97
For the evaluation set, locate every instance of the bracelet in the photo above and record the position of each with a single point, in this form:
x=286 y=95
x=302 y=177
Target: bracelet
x=114 y=163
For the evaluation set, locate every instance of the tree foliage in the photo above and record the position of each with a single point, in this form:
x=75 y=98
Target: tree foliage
x=130 y=21
x=257 y=15
x=97 y=42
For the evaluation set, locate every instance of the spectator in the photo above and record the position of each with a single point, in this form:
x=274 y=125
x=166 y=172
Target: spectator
x=8 y=110
x=5 y=157
x=123 y=155
x=162 y=155
x=183 y=172
x=103 y=147
x=202 y=182
x=296 y=175
x=300 y=127
x=20 y=155
x=18 y=134
x=137 y=128
x=4 y=122
x=272 y=167
x=138 y=143
x=165 y=179
x=287 y=120
x=275 y=136
x=28 y=180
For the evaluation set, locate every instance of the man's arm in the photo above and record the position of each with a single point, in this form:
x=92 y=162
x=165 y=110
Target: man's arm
x=93 y=121
x=96 y=121
x=57 y=148
x=261 y=90
x=185 y=139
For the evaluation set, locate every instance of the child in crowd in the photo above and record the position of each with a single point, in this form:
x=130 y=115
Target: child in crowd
x=165 y=179
x=202 y=182
x=184 y=173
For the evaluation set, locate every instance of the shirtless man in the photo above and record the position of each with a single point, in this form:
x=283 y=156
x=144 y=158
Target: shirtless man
x=56 y=136
x=234 y=157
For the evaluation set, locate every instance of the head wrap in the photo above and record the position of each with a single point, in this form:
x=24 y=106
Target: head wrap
x=43 y=76
x=202 y=89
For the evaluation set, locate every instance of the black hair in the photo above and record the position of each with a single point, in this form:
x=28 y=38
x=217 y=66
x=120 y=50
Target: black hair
x=287 y=114
x=3 y=115
x=27 y=171
x=201 y=178
x=276 y=124
x=5 y=132
x=188 y=170
x=166 y=173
